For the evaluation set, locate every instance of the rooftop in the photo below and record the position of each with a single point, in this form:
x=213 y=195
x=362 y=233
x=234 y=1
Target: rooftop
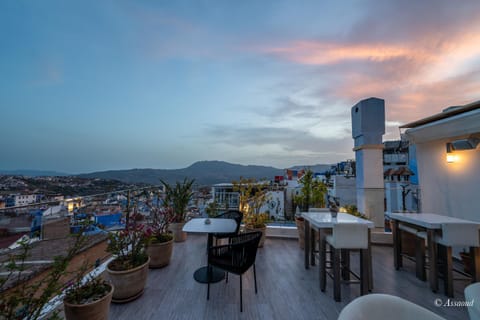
x=447 y=113
x=285 y=289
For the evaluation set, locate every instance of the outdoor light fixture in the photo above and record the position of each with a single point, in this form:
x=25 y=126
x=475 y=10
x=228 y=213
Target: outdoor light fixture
x=461 y=144
x=451 y=157
x=464 y=144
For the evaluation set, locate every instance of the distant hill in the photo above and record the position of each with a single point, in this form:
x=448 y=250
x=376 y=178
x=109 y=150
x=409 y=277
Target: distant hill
x=33 y=173
x=204 y=173
x=319 y=168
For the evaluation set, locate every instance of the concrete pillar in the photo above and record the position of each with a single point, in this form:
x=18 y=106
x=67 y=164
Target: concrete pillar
x=368 y=127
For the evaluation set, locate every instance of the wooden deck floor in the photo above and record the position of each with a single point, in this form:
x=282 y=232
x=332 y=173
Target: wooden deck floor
x=285 y=289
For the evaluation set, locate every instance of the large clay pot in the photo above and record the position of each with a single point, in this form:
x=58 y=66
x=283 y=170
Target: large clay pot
x=264 y=234
x=96 y=310
x=177 y=230
x=300 y=222
x=128 y=284
x=160 y=253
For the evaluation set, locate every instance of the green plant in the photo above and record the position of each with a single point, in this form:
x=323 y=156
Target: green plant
x=157 y=231
x=83 y=292
x=252 y=197
x=128 y=246
x=177 y=197
x=255 y=220
x=352 y=209
x=312 y=193
x=214 y=208
x=23 y=299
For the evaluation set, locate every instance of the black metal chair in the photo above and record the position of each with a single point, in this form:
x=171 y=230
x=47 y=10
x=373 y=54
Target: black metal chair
x=236 y=257
x=230 y=214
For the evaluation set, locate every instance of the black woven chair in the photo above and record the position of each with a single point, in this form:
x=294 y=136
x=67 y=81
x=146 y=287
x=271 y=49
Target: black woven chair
x=230 y=214
x=236 y=257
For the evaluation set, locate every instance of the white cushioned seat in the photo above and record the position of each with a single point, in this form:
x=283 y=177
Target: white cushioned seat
x=459 y=234
x=455 y=234
x=349 y=236
x=406 y=228
x=383 y=306
x=472 y=293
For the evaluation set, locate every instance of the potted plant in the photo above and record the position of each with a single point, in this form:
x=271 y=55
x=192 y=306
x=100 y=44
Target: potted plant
x=256 y=222
x=160 y=238
x=128 y=271
x=312 y=194
x=252 y=198
x=177 y=198
x=21 y=299
x=26 y=297
x=88 y=299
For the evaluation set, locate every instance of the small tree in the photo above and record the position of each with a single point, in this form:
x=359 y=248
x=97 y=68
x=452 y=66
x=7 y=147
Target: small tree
x=312 y=193
x=213 y=208
x=177 y=197
x=26 y=300
x=252 y=196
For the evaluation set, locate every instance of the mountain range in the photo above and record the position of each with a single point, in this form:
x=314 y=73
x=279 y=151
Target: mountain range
x=33 y=173
x=204 y=173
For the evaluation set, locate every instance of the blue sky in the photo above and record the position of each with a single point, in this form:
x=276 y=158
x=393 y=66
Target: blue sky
x=97 y=85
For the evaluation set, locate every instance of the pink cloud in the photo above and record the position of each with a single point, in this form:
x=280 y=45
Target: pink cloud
x=415 y=78
x=324 y=53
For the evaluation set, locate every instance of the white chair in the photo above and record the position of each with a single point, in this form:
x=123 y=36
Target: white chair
x=384 y=306
x=472 y=294
x=348 y=236
x=420 y=238
x=455 y=234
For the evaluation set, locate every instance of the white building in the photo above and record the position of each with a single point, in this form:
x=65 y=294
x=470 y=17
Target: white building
x=24 y=199
x=448 y=161
x=224 y=196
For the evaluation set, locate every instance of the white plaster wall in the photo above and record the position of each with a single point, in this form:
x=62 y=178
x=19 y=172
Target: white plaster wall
x=275 y=204
x=452 y=189
x=345 y=189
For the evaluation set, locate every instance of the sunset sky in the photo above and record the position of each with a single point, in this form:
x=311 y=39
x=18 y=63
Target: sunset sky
x=98 y=85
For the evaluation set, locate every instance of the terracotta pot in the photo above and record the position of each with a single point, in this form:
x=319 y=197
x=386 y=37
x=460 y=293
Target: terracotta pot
x=264 y=234
x=160 y=254
x=128 y=284
x=96 y=310
x=300 y=222
x=177 y=230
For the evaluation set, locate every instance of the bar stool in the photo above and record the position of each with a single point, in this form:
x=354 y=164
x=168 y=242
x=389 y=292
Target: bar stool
x=455 y=234
x=420 y=238
x=314 y=234
x=348 y=236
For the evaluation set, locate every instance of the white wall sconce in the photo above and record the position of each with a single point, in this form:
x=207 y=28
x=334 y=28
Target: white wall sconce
x=461 y=144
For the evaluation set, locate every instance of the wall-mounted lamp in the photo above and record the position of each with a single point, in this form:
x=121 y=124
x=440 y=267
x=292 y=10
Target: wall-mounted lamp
x=464 y=144
x=461 y=144
x=451 y=157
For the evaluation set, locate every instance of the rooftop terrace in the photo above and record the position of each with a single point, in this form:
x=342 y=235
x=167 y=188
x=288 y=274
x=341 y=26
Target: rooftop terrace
x=285 y=289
